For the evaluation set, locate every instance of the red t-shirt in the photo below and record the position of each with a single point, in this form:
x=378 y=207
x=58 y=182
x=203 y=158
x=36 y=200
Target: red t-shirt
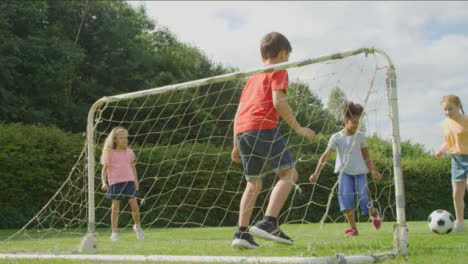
x=256 y=110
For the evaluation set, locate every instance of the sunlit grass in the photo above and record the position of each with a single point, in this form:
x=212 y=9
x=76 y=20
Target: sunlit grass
x=425 y=247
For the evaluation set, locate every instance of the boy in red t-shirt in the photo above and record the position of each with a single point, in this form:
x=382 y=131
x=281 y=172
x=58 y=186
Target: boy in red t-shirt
x=257 y=141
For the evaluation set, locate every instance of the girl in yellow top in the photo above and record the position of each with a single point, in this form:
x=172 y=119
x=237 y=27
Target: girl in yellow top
x=455 y=129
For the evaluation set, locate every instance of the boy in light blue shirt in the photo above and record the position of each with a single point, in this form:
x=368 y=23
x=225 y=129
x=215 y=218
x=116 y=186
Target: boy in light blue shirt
x=353 y=163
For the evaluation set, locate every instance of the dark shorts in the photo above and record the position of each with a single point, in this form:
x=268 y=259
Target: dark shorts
x=257 y=147
x=459 y=167
x=120 y=191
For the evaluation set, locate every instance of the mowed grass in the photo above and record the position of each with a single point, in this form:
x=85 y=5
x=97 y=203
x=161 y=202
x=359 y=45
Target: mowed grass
x=425 y=247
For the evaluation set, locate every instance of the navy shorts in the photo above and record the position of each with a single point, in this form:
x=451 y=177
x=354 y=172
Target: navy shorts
x=121 y=190
x=257 y=147
x=459 y=167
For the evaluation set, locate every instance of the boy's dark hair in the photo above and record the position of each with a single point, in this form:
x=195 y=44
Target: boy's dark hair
x=272 y=43
x=351 y=109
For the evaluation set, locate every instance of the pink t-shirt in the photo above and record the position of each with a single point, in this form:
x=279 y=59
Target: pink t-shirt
x=119 y=165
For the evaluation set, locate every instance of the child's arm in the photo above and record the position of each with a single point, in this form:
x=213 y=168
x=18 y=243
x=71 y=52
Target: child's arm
x=442 y=150
x=105 y=167
x=322 y=161
x=370 y=166
x=137 y=185
x=235 y=156
x=104 y=177
x=281 y=105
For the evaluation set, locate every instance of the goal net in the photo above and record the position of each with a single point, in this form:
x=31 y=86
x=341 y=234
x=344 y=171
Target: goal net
x=190 y=189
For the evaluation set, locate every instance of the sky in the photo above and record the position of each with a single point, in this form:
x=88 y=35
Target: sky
x=427 y=42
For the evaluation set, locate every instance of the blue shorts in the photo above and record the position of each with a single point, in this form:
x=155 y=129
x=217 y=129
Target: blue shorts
x=352 y=187
x=257 y=147
x=121 y=190
x=459 y=167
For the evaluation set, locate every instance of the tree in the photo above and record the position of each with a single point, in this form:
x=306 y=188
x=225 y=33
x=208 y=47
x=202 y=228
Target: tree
x=309 y=109
x=59 y=57
x=336 y=102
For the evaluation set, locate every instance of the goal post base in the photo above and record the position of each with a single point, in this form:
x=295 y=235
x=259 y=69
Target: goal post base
x=339 y=258
x=88 y=243
x=400 y=238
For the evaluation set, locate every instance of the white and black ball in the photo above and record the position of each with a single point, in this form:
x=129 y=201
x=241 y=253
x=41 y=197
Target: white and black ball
x=441 y=222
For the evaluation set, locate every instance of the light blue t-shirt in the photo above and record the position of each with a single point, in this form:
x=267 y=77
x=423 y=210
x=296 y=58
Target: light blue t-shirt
x=343 y=144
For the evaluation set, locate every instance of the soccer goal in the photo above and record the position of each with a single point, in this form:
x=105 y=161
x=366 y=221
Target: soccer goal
x=190 y=189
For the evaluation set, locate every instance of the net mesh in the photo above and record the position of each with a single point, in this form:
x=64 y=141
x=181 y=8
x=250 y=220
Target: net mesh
x=183 y=139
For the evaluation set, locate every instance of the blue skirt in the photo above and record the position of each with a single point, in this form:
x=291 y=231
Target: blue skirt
x=121 y=190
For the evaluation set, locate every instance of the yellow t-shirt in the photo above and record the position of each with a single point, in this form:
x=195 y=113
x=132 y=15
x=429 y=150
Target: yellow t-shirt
x=456 y=134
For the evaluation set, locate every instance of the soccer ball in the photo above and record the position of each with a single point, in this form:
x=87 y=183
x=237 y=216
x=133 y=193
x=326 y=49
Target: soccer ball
x=441 y=222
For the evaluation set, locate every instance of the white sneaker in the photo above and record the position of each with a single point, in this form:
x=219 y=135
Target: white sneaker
x=459 y=227
x=139 y=232
x=114 y=237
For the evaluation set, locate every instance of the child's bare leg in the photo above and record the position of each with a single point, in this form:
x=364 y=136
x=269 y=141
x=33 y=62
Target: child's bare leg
x=372 y=212
x=350 y=217
x=459 y=188
x=115 y=215
x=248 y=200
x=280 y=193
x=135 y=210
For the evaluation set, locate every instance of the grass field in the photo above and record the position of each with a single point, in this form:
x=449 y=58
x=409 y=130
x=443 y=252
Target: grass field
x=425 y=247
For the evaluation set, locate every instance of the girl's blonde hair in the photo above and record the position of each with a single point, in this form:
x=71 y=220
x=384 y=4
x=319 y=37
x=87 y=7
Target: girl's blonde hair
x=109 y=143
x=451 y=98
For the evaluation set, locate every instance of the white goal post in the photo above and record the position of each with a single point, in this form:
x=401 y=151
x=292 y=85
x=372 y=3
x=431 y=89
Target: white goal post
x=400 y=229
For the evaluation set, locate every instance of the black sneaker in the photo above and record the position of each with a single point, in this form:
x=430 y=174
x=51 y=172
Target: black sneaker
x=244 y=240
x=270 y=231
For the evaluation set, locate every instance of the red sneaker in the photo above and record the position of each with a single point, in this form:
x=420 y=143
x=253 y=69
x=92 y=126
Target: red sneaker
x=375 y=218
x=351 y=232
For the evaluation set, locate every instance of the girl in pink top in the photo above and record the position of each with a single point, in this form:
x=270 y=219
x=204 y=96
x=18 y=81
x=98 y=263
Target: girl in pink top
x=118 y=169
x=455 y=129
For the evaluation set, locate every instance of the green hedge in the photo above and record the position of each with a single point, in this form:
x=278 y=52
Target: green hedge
x=36 y=160
x=197 y=179
x=427 y=186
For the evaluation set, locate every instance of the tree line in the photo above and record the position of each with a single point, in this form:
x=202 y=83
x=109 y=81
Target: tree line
x=58 y=57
